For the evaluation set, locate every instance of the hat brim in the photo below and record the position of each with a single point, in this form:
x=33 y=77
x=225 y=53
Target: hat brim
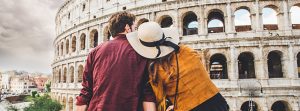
x=151 y=52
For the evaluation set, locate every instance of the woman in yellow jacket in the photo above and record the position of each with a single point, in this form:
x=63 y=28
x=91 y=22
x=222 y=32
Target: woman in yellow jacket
x=175 y=71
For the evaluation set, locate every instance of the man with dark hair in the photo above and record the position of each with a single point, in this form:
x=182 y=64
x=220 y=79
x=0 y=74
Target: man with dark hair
x=114 y=76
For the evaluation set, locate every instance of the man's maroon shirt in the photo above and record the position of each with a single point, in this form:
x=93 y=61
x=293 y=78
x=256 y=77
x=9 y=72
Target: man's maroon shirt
x=114 y=78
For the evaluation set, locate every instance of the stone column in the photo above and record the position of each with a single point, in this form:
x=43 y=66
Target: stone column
x=230 y=21
x=285 y=65
x=100 y=34
x=201 y=29
x=67 y=103
x=75 y=74
x=259 y=64
x=287 y=23
x=87 y=41
x=290 y=65
x=233 y=66
x=77 y=43
x=258 y=15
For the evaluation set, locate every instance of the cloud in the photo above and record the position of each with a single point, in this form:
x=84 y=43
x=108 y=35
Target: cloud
x=27 y=29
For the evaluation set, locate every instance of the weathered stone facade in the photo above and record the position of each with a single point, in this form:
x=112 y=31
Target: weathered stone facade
x=262 y=57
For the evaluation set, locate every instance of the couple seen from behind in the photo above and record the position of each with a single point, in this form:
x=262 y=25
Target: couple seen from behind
x=146 y=70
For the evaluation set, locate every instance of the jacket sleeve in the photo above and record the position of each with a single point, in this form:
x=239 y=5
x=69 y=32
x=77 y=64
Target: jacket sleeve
x=87 y=83
x=148 y=94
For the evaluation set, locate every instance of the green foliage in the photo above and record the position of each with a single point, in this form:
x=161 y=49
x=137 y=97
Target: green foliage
x=48 y=89
x=28 y=99
x=33 y=93
x=12 y=108
x=44 y=103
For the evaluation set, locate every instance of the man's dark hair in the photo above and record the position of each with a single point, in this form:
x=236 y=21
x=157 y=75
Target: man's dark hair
x=118 y=21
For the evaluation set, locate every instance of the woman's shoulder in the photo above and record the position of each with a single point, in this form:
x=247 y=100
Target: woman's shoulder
x=184 y=49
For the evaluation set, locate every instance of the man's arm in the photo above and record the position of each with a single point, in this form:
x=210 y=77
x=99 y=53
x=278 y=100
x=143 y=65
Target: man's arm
x=148 y=95
x=87 y=83
x=149 y=106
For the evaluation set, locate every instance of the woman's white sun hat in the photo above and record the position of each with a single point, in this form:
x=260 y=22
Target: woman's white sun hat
x=151 y=41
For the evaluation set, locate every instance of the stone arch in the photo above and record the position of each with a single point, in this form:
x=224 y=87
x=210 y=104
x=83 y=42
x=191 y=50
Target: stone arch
x=190 y=23
x=295 y=14
x=71 y=73
x=216 y=21
x=71 y=102
x=246 y=66
x=106 y=33
x=242 y=12
x=165 y=21
x=67 y=46
x=82 y=41
x=93 y=38
x=274 y=62
x=73 y=44
x=80 y=73
x=270 y=11
x=246 y=106
x=281 y=106
x=64 y=78
x=218 y=66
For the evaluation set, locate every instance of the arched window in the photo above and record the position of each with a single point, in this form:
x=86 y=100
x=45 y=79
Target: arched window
x=61 y=48
x=242 y=20
x=246 y=65
x=67 y=46
x=216 y=22
x=190 y=24
x=59 y=76
x=93 y=38
x=82 y=41
x=141 y=21
x=249 y=106
x=274 y=64
x=71 y=72
x=64 y=76
x=106 y=34
x=270 y=18
x=73 y=43
x=218 y=67
x=295 y=15
x=80 y=73
x=71 y=104
x=166 y=21
x=298 y=64
x=280 y=106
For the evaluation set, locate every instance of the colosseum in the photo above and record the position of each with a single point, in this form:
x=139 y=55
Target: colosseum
x=256 y=64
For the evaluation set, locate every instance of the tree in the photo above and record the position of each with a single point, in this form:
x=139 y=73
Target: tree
x=48 y=85
x=33 y=93
x=44 y=103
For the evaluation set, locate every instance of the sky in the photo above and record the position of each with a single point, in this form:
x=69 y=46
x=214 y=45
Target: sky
x=27 y=29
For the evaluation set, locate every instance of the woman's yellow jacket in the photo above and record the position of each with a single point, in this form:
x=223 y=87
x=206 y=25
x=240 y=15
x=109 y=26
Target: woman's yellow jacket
x=195 y=86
